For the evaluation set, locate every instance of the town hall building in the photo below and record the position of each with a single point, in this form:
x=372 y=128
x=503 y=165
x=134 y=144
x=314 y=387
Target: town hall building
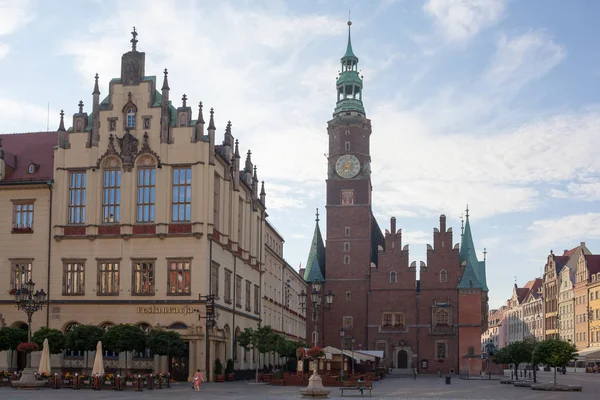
x=433 y=323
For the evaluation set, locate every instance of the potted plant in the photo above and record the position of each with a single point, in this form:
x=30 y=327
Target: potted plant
x=219 y=371
x=229 y=370
x=28 y=347
x=109 y=379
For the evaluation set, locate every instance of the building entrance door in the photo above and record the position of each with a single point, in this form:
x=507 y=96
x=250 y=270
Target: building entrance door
x=179 y=367
x=402 y=359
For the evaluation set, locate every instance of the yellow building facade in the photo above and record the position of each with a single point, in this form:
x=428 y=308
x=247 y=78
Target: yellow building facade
x=136 y=214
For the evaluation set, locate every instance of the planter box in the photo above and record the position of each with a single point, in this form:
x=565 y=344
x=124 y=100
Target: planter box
x=108 y=383
x=129 y=384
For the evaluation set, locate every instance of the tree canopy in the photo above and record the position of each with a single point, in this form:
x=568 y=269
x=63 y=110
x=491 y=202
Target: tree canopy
x=125 y=337
x=11 y=337
x=56 y=339
x=555 y=353
x=165 y=343
x=83 y=338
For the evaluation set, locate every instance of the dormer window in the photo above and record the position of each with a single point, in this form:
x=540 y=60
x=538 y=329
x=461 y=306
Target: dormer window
x=131 y=118
x=32 y=169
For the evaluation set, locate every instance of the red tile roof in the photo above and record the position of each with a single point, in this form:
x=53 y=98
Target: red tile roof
x=22 y=149
x=569 y=253
x=593 y=264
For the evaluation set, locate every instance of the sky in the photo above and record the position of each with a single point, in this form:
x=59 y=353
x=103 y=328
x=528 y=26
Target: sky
x=490 y=103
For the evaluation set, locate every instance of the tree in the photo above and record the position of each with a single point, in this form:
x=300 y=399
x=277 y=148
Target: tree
x=554 y=353
x=56 y=339
x=515 y=353
x=83 y=338
x=248 y=340
x=125 y=338
x=165 y=343
x=10 y=338
x=286 y=348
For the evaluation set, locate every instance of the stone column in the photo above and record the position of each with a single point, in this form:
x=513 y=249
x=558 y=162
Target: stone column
x=192 y=360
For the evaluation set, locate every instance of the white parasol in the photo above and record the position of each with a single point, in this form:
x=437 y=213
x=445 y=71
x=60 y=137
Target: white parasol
x=98 y=361
x=45 y=359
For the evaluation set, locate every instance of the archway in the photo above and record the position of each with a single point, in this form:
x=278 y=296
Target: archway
x=402 y=359
x=21 y=356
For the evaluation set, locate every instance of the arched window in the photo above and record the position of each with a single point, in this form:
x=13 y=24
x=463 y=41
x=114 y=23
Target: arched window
x=131 y=118
x=443 y=276
x=393 y=277
x=441 y=318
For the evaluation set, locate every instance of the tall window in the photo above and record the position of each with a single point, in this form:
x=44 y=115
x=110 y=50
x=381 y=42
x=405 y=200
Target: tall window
x=21 y=274
x=73 y=275
x=179 y=277
x=143 y=278
x=214 y=280
x=399 y=319
x=111 y=196
x=238 y=291
x=441 y=318
x=441 y=350
x=347 y=323
x=131 y=118
x=248 y=295
x=256 y=299
x=77 y=198
x=23 y=214
x=387 y=319
x=146 y=194
x=108 y=278
x=393 y=277
x=217 y=202
x=182 y=194
x=443 y=276
x=227 y=291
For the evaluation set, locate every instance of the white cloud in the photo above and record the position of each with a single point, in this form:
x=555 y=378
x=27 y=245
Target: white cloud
x=416 y=238
x=23 y=113
x=522 y=58
x=4 y=49
x=14 y=14
x=587 y=191
x=562 y=232
x=462 y=19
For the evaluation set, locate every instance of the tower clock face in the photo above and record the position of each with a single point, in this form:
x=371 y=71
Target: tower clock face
x=347 y=166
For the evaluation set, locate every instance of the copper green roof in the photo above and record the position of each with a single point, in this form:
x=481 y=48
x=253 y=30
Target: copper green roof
x=315 y=266
x=349 y=53
x=349 y=83
x=474 y=275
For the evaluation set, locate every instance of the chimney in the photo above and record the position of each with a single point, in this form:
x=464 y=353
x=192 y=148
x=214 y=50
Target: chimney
x=393 y=225
x=443 y=223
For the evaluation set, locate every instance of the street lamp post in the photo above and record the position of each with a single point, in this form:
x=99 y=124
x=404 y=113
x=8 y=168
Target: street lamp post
x=316 y=300
x=31 y=302
x=315 y=384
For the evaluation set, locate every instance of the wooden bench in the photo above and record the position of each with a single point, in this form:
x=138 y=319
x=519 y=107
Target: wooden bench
x=360 y=385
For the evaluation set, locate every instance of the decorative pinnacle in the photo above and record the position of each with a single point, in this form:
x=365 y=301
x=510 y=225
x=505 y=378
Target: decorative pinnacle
x=134 y=40
x=80 y=105
x=467 y=211
x=262 y=188
x=200 y=116
x=96 y=89
x=317 y=215
x=248 y=155
x=484 y=253
x=184 y=100
x=462 y=225
x=237 y=149
x=211 y=122
x=255 y=177
x=165 y=85
x=61 y=126
x=228 y=128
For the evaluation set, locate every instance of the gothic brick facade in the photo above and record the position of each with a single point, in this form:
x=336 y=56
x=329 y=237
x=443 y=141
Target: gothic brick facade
x=433 y=323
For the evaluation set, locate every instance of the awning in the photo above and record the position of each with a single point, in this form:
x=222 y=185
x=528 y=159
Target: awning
x=358 y=356
x=589 y=354
x=374 y=353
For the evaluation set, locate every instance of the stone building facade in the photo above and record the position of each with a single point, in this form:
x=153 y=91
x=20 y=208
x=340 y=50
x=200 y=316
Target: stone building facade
x=533 y=313
x=131 y=216
x=566 y=304
x=434 y=323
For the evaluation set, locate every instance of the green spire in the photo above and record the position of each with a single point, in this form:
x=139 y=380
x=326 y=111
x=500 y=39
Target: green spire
x=315 y=266
x=349 y=84
x=474 y=275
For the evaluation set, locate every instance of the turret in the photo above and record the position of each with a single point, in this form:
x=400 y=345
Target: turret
x=199 y=133
x=235 y=167
x=349 y=84
x=254 y=189
x=263 y=194
x=184 y=113
x=165 y=115
x=248 y=169
x=228 y=142
x=63 y=135
x=94 y=137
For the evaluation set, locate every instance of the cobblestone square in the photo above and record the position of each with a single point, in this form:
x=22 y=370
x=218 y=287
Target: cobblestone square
x=426 y=388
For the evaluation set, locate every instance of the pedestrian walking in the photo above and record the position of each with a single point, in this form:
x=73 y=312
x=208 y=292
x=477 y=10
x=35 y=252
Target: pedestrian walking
x=198 y=379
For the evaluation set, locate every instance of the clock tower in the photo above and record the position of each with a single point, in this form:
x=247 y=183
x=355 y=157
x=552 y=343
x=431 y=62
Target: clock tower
x=350 y=222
